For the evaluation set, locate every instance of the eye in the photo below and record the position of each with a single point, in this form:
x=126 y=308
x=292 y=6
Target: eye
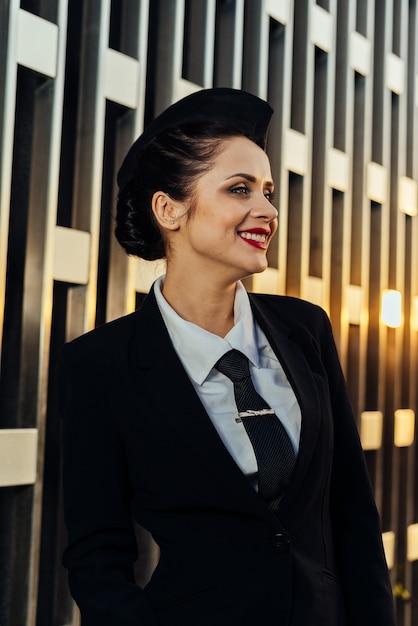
x=240 y=189
x=269 y=195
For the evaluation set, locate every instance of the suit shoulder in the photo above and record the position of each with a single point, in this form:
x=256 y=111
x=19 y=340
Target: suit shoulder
x=102 y=343
x=290 y=309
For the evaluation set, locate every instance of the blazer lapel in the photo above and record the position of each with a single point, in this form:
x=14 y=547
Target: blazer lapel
x=170 y=390
x=302 y=380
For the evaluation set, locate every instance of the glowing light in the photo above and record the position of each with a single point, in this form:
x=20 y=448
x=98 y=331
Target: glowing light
x=408 y=196
x=392 y=308
x=371 y=426
x=412 y=543
x=404 y=427
x=414 y=314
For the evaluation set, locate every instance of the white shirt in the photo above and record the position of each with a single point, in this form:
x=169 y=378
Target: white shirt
x=199 y=350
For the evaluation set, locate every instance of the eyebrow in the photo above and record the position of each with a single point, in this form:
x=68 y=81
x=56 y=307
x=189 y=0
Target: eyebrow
x=250 y=178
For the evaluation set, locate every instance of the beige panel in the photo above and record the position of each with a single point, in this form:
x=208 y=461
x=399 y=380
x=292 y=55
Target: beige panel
x=408 y=195
x=377 y=183
x=321 y=27
x=184 y=88
x=354 y=303
x=412 y=543
x=278 y=9
x=121 y=79
x=338 y=169
x=389 y=539
x=404 y=427
x=296 y=151
x=18 y=456
x=37 y=44
x=371 y=428
x=395 y=73
x=414 y=313
x=71 y=255
x=360 y=53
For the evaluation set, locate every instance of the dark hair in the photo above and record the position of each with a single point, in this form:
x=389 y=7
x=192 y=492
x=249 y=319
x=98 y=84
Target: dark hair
x=171 y=162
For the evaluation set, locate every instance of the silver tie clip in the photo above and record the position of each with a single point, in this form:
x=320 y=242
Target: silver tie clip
x=253 y=414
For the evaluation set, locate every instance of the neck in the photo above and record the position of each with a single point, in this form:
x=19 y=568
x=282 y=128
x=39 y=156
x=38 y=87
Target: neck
x=208 y=304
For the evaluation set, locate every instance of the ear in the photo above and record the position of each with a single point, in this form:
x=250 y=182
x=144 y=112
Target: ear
x=166 y=210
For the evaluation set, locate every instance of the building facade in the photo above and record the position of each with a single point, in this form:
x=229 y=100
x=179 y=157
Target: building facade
x=79 y=79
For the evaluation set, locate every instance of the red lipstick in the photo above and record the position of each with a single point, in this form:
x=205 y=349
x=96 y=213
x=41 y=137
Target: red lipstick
x=257 y=237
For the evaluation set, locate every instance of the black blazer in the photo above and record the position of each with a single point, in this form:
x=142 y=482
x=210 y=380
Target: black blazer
x=137 y=443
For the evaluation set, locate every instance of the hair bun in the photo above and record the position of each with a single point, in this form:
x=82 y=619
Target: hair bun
x=135 y=231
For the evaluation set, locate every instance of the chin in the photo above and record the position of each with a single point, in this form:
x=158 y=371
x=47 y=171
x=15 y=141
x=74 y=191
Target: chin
x=260 y=269
x=249 y=273
x=245 y=272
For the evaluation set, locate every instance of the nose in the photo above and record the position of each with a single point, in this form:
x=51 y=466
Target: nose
x=263 y=209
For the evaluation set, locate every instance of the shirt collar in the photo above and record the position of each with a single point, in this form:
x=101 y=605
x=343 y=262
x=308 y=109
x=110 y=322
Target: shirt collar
x=199 y=349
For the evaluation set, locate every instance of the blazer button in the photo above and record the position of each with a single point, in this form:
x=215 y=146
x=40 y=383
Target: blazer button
x=281 y=542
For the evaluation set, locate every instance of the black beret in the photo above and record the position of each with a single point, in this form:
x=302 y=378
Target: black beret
x=221 y=103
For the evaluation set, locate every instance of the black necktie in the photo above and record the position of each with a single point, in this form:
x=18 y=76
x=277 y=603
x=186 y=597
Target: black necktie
x=272 y=447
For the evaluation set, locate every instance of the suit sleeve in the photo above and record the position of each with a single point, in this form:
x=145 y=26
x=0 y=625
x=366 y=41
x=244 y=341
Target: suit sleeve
x=101 y=542
x=356 y=524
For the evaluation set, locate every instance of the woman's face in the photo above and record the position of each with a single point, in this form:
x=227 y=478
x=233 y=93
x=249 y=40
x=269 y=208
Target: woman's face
x=232 y=219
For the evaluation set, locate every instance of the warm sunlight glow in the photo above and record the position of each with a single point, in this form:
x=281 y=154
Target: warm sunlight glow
x=412 y=543
x=371 y=426
x=392 y=308
x=404 y=427
x=414 y=316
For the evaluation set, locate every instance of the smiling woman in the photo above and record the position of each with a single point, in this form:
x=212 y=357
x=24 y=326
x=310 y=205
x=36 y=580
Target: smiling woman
x=222 y=230
x=216 y=419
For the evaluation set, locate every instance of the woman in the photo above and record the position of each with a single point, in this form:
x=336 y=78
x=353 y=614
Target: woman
x=218 y=421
